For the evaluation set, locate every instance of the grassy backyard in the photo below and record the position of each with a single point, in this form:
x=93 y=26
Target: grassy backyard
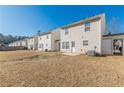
x=32 y=68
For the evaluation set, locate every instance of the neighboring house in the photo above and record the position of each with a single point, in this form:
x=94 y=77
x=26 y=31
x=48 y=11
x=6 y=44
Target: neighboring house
x=16 y=43
x=32 y=43
x=22 y=43
x=113 y=44
x=83 y=36
x=49 y=41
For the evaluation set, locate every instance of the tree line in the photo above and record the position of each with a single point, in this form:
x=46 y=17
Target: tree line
x=5 y=39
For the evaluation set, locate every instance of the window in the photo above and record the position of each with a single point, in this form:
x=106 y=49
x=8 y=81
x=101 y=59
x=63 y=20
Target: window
x=72 y=44
x=63 y=45
x=85 y=43
x=47 y=36
x=87 y=26
x=67 y=45
x=40 y=38
x=66 y=31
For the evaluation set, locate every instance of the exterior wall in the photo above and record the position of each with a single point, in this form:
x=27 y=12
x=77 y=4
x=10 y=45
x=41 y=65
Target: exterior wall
x=36 y=43
x=105 y=46
x=31 y=43
x=19 y=43
x=24 y=43
x=52 y=43
x=103 y=24
x=44 y=42
x=55 y=40
x=78 y=34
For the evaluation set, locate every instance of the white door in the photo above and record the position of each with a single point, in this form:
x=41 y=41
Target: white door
x=73 y=47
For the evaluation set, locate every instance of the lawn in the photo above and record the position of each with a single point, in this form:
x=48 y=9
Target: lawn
x=40 y=69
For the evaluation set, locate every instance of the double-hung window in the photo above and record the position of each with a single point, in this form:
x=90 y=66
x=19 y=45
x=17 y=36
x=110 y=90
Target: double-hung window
x=85 y=43
x=63 y=45
x=66 y=31
x=67 y=45
x=87 y=26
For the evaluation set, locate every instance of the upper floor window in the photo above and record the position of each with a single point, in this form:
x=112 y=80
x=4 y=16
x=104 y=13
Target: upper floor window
x=85 y=43
x=66 y=31
x=40 y=38
x=87 y=26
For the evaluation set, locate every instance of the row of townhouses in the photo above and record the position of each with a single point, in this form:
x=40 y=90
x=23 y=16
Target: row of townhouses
x=85 y=36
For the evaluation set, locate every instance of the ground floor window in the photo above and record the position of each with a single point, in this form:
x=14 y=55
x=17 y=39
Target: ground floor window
x=72 y=44
x=85 y=42
x=65 y=45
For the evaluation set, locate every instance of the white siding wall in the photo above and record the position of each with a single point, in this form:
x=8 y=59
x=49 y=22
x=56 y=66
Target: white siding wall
x=30 y=43
x=78 y=34
x=46 y=42
x=24 y=43
x=55 y=39
x=107 y=46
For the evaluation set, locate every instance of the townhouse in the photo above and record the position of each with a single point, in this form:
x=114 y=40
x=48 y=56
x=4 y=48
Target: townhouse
x=49 y=41
x=32 y=43
x=112 y=44
x=22 y=43
x=84 y=36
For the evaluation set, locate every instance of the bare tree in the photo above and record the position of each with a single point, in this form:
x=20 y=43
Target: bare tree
x=113 y=26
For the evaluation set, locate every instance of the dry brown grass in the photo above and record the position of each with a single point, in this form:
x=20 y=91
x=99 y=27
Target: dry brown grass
x=19 y=54
x=54 y=69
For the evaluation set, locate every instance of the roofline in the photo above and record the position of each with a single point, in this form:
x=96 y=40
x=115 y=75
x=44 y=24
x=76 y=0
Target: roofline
x=113 y=34
x=19 y=40
x=83 y=21
x=45 y=33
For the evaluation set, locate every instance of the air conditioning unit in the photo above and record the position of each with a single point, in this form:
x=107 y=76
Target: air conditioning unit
x=91 y=53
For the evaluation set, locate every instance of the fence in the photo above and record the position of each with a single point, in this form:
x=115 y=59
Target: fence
x=13 y=48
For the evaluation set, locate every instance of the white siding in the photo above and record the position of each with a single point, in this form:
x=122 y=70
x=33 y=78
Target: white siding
x=55 y=39
x=46 y=42
x=30 y=43
x=78 y=34
x=107 y=46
